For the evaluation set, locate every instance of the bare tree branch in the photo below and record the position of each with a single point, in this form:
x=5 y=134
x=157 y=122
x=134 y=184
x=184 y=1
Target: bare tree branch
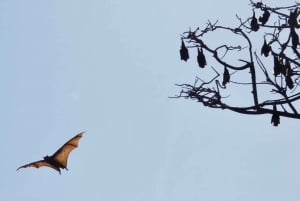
x=274 y=90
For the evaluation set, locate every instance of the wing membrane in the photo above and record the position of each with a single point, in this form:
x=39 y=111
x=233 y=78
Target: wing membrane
x=38 y=164
x=62 y=154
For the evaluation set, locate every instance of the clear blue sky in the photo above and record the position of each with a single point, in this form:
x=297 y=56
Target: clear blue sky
x=107 y=67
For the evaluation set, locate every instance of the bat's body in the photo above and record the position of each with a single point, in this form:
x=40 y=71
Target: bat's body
x=60 y=158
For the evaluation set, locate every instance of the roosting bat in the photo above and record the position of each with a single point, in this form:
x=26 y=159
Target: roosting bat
x=60 y=158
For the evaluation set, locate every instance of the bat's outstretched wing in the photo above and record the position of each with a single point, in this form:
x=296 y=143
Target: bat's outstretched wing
x=62 y=154
x=40 y=163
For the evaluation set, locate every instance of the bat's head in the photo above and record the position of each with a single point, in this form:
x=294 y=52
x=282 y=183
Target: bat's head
x=46 y=158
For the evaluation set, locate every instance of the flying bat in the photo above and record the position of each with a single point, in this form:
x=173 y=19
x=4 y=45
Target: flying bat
x=60 y=158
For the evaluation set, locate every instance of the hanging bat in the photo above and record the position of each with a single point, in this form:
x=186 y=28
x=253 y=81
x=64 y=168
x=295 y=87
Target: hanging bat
x=265 y=49
x=295 y=39
x=226 y=76
x=201 y=58
x=275 y=120
x=265 y=17
x=184 y=53
x=254 y=23
x=60 y=158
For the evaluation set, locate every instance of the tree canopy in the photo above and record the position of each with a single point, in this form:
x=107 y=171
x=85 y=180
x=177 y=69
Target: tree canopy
x=252 y=68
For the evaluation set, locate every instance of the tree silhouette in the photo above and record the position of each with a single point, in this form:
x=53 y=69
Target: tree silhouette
x=235 y=76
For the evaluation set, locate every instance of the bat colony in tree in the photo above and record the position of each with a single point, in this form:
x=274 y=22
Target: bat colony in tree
x=270 y=79
x=60 y=158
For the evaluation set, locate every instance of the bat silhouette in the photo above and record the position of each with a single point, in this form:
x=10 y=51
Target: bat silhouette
x=254 y=23
x=60 y=158
x=184 y=53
